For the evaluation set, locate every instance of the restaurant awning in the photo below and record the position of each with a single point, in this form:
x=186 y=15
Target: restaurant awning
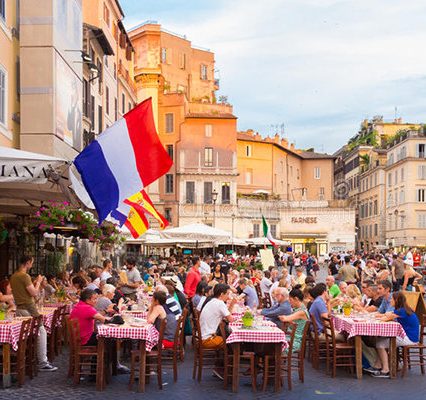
x=27 y=179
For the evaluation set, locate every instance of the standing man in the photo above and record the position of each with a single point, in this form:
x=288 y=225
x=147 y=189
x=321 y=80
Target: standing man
x=24 y=292
x=348 y=273
x=134 y=279
x=193 y=278
x=398 y=271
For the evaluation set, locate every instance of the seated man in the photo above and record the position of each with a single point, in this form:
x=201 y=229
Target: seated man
x=333 y=289
x=212 y=313
x=249 y=293
x=171 y=304
x=384 y=289
x=86 y=314
x=281 y=306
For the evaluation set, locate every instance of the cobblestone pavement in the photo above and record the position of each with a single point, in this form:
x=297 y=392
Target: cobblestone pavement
x=318 y=385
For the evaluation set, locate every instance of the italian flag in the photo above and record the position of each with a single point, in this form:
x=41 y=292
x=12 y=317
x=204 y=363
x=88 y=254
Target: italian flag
x=267 y=231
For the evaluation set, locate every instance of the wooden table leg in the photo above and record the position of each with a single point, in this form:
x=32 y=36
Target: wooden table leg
x=392 y=357
x=358 y=356
x=6 y=365
x=142 y=366
x=100 y=370
x=277 y=348
x=235 y=366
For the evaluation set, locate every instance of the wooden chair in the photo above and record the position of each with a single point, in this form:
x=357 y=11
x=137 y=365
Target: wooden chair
x=247 y=360
x=153 y=359
x=298 y=357
x=338 y=354
x=259 y=293
x=417 y=350
x=83 y=359
x=170 y=357
x=285 y=369
x=18 y=357
x=51 y=338
x=31 y=356
x=203 y=357
x=60 y=329
x=266 y=301
x=318 y=348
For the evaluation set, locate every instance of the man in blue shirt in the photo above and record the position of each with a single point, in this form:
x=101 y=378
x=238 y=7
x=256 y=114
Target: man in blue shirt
x=281 y=307
x=319 y=308
x=251 y=299
x=384 y=289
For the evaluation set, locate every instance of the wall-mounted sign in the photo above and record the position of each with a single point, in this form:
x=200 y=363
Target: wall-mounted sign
x=304 y=220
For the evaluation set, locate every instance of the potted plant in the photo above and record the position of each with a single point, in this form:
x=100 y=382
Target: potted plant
x=248 y=319
x=3 y=312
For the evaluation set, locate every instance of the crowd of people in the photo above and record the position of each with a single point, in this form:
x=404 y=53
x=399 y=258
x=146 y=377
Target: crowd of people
x=215 y=287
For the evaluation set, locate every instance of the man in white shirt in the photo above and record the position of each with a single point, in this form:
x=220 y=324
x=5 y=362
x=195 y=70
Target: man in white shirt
x=212 y=313
x=265 y=283
x=204 y=268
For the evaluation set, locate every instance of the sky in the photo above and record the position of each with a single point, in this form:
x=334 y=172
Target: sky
x=319 y=67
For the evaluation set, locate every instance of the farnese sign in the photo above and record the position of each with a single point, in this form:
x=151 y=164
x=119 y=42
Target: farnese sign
x=304 y=220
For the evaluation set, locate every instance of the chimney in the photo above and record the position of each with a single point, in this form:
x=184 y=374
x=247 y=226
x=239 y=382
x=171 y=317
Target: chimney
x=277 y=138
x=292 y=146
x=284 y=143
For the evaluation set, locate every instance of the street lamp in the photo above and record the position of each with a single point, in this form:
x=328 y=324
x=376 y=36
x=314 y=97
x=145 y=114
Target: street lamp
x=233 y=218
x=214 y=199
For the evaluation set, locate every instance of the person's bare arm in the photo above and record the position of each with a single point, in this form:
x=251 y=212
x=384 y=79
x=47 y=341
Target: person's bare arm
x=100 y=317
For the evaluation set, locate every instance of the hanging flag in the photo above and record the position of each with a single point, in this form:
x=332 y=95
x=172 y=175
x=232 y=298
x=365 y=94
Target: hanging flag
x=267 y=231
x=136 y=223
x=143 y=204
x=124 y=159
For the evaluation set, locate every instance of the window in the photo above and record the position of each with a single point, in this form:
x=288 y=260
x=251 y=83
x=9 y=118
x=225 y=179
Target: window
x=421 y=195
x=208 y=156
x=3 y=10
x=123 y=103
x=370 y=209
x=168 y=214
x=421 y=172
x=317 y=173
x=163 y=55
x=375 y=179
x=396 y=178
x=248 y=150
x=3 y=100
x=402 y=196
x=273 y=230
x=375 y=207
x=420 y=150
x=376 y=230
x=390 y=161
x=99 y=65
x=402 y=174
x=256 y=230
x=421 y=220
x=190 y=192
x=107 y=100
x=100 y=115
x=389 y=179
x=403 y=153
x=106 y=15
x=115 y=71
x=169 y=183
x=208 y=189
x=169 y=123
x=208 y=130
x=390 y=200
x=249 y=176
x=371 y=230
x=182 y=61
x=130 y=106
x=321 y=193
x=86 y=98
x=115 y=108
x=226 y=193
x=203 y=72
x=298 y=173
x=169 y=149
x=92 y=112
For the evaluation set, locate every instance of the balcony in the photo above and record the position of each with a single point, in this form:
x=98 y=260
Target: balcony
x=213 y=109
x=124 y=73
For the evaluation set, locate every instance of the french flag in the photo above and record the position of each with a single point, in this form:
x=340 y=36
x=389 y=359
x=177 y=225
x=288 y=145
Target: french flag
x=124 y=159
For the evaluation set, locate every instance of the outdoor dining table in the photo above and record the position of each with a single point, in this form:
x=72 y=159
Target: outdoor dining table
x=145 y=333
x=367 y=325
x=9 y=338
x=262 y=332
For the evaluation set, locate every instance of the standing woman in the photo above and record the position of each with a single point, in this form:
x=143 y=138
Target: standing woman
x=410 y=275
x=217 y=275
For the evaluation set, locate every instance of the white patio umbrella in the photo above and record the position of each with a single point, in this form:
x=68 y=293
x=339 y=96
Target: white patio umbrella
x=196 y=231
x=261 y=241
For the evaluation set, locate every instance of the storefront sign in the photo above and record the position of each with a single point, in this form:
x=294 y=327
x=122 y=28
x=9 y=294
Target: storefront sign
x=304 y=220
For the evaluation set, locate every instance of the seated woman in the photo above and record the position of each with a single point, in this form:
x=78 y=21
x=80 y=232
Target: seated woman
x=200 y=292
x=299 y=316
x=6 y=296
x=104 y=303
x=409 y=321
x=217 y=275
x=157 y=312
x=410 y=275
x=355 y=296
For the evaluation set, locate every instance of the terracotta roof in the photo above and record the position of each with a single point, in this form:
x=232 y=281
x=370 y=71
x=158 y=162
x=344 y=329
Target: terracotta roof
x=310 y=155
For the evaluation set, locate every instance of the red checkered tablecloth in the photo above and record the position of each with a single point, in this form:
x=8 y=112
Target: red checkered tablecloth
x=261 y=334
x=9 y=332
x=367 y=327
x=146 y=332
